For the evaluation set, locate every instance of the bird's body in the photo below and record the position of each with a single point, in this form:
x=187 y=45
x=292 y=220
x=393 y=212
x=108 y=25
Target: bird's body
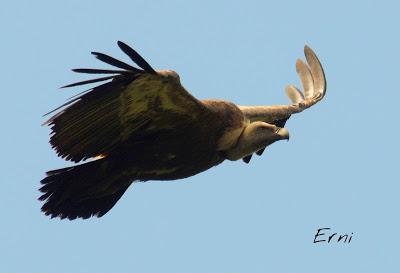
x=159 y=156
x=143 y=125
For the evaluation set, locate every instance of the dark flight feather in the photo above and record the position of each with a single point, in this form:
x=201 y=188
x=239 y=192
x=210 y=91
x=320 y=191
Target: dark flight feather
x=101 y=101
x=114 y=62
x=247 y=159
x=99 y=71
x=81 y=95
x=136 y=57
x=260 y=152
x=88 y=81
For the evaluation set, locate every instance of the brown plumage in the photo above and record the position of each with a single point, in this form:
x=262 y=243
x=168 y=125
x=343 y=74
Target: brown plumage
x=143 y=125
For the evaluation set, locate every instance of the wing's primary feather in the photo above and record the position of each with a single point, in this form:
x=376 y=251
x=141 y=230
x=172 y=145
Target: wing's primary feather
x=136 y=57
x=247 y=159
x=260 y=152
x=89 y=123
x=99 y=71
x=78 y=96
x=88 y=81
x=114 y=62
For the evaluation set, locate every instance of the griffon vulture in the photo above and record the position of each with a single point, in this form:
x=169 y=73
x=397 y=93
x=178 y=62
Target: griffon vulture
x=143 y=125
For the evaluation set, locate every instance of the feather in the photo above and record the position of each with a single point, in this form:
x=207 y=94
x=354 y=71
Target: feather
x=247 y=159
x=317 y=72
x=260 y=152
x=136 y=57
x=306 y=78
x=79 y=95
x=88 y=81
x=99 y=71
x=294 y=94
x=114 y=62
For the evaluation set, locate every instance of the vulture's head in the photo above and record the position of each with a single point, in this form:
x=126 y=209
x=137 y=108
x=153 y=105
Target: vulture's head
x=255 y=136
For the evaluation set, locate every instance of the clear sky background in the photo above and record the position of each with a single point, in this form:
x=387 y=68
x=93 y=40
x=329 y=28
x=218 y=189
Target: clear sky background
x=339 y=169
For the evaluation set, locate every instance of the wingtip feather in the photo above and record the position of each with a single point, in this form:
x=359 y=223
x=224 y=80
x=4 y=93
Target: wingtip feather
x=136 y=57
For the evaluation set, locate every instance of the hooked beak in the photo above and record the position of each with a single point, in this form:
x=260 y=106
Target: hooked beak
x=283 y=133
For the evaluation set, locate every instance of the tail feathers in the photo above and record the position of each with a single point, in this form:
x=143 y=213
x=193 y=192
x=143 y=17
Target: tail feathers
x=81 y=191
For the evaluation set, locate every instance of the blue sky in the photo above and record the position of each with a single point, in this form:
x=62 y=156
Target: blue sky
x=338 y=170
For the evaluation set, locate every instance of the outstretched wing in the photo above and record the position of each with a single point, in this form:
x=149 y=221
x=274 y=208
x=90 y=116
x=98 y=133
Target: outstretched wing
x=135 y=102
x=314 y=83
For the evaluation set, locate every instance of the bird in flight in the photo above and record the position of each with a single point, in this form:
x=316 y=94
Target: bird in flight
x=141 y=124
